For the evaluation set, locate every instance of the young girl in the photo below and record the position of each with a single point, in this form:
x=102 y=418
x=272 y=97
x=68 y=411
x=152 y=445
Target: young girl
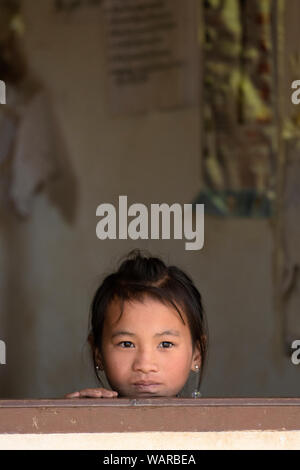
x=148 y=331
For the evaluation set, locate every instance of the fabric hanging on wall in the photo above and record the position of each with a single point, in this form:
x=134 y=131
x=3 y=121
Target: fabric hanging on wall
x=34 y=152
x=27 y=146
x=239 y=160
x=30 y=142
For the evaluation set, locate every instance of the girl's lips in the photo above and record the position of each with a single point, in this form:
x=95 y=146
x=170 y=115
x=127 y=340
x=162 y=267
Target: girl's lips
x=145 y=382
x=145 y=386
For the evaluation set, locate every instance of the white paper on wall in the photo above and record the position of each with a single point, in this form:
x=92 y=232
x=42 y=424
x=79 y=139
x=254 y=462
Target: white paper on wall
x=152 y=54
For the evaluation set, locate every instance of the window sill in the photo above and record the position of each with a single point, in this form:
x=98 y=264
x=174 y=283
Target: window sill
x=153 y=414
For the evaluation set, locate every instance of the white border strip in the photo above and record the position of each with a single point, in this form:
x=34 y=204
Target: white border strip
x=237 y=440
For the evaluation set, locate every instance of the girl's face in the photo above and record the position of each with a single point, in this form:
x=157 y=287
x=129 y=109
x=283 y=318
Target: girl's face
x=148 y=351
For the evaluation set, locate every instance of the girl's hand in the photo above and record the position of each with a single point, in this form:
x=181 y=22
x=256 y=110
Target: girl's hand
x=93 y=393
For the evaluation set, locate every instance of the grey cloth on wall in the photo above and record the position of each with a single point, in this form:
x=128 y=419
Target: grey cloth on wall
x=34 y=155
x=27 y=147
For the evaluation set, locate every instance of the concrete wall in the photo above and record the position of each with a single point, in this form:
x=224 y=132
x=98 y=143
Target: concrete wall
x=51 y=264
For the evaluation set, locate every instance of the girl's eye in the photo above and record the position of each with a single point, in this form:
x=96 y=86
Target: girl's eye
x=125 y=344
x=168 y=343
x=129 y=344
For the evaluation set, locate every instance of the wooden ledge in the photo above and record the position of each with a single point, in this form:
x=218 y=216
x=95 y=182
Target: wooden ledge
x=153 y=414
x=88 y=402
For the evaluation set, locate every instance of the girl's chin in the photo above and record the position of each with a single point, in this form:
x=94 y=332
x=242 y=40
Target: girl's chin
x=146 y=394
x=140 y=395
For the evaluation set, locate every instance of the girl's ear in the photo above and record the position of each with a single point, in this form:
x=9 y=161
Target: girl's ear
x=98 y=359
x=91 y=341
x=196 y=360
x=95 y=351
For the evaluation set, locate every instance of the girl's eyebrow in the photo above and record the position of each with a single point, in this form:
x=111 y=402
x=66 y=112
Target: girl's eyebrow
x=169 y=333
x=129 y=333
x=120 y=333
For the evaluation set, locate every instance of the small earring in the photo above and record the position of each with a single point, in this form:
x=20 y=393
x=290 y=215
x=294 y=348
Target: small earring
x=196 y=393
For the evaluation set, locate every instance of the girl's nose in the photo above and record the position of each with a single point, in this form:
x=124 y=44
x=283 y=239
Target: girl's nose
x=145 y=362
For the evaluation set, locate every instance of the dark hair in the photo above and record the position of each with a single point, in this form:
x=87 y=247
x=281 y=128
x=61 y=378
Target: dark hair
x=139 y=276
